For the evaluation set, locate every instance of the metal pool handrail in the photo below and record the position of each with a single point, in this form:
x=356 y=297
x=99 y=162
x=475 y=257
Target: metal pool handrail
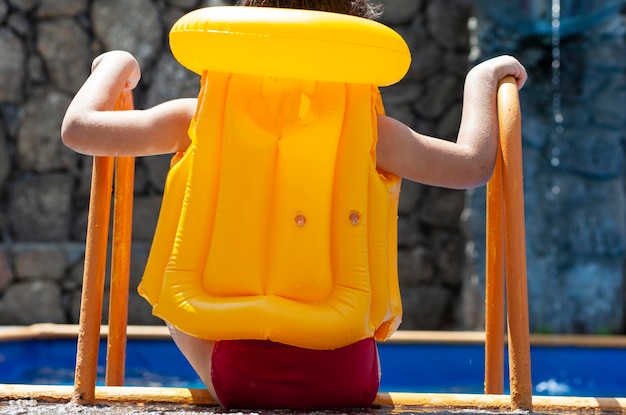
x=505 y=250
x=506 y=255
x=96 y=246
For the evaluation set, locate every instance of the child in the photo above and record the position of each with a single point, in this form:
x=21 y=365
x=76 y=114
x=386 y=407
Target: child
x=347 y=376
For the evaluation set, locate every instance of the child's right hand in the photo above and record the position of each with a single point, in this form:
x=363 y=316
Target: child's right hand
x=499 y=68
x=124 y=60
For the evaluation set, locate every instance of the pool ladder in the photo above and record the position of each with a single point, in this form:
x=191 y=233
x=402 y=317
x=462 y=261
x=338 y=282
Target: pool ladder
x=96 y=248
x=505 y=265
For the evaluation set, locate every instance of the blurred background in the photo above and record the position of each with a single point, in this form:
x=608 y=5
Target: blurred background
x=574 y=127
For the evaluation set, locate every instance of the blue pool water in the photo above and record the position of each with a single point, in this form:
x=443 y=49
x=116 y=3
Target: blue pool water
x=438 y=368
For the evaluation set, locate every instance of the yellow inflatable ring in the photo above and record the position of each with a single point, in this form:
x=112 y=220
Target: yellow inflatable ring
x=289 y=43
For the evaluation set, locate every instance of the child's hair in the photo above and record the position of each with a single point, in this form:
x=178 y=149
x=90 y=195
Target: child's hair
x=361 y=8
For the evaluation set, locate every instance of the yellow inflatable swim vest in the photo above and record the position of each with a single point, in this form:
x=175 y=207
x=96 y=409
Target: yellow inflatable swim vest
x=276 y=224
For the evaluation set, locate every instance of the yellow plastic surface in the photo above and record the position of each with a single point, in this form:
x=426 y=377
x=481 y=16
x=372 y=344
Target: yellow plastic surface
x=290 y=43
x=276 y=224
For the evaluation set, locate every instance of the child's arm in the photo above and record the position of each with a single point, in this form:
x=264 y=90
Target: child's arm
x=90 y=125
x=467 y=163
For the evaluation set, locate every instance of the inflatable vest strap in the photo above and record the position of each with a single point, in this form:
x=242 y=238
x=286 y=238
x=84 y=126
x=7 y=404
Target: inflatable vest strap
x=276 y=224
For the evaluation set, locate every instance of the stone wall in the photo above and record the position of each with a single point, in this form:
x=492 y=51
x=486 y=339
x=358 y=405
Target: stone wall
x=46 y=48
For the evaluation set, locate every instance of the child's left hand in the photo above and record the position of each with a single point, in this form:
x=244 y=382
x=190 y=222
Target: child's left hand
x=122 y=58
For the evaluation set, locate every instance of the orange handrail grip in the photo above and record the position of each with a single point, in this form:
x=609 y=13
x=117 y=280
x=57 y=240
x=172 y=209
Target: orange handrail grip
x=120 y=260
x=93 y=280
x=494 y=283
x=509 y=118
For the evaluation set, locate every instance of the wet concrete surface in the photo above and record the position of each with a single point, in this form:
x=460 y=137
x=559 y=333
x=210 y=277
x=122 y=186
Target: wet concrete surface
x=32 y=407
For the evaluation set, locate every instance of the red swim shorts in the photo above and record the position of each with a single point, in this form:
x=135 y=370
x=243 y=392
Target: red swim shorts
x=257 y=374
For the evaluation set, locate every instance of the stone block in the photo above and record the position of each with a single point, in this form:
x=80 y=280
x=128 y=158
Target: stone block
x=56 y=8
x=36 y=301
x=65 y=47
x=426 y=308
x=132 y=26
x=40 y=208
x=39 y=145
x=40 y=263
x=6 y=271
x=11 y=72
